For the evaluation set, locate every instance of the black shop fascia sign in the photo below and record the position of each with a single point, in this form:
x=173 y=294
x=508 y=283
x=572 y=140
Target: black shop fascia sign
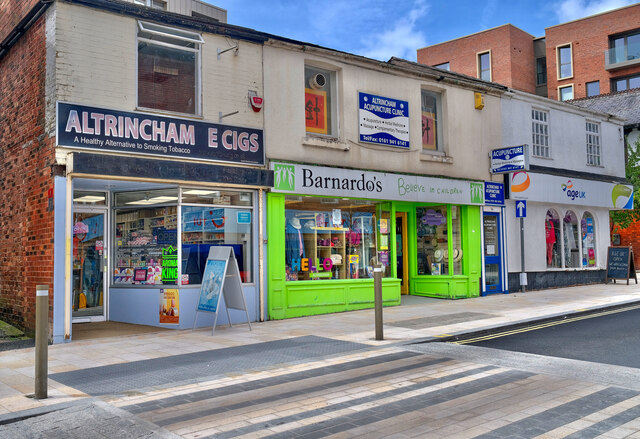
x=80 y=126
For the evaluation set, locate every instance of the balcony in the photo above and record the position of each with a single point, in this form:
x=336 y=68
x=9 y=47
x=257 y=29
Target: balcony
x=622 y=56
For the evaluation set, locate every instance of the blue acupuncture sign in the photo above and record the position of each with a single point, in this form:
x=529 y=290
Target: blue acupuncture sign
x=521 y=209
x=493 y=193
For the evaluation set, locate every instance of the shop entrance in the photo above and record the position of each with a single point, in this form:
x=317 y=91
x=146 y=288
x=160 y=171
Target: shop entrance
x=89 y=264
x=492 y=253
x=402 y=251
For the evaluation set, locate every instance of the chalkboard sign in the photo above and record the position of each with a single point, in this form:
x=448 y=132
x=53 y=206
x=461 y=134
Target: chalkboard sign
x=620 y=264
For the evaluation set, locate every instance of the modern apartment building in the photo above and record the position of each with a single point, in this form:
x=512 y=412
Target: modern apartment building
x=594 y=55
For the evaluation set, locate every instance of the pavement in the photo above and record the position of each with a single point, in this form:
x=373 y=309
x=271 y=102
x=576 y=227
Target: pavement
x=326 y=375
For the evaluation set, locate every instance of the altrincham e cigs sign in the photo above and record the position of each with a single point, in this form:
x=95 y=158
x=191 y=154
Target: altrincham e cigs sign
x=80 y=126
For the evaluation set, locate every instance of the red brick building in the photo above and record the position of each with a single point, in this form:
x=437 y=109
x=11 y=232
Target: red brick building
x=507 y=50
x=595 y=55
x=26 y=159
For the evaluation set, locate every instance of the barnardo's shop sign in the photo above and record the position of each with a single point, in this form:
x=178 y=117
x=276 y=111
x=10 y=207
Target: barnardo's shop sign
x=338 y=182
x=383 y=121
x=79 y=126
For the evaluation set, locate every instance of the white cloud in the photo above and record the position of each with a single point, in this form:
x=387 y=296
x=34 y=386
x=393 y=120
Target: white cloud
x=569 y=10
x=401 y=39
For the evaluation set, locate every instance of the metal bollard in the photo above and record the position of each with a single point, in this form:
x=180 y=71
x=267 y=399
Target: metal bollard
x=377 y=291
x=42 y=340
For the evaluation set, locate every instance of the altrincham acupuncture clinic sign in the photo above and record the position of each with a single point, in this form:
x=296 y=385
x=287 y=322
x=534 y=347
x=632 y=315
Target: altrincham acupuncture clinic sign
x=80 y=126
x=383 y=121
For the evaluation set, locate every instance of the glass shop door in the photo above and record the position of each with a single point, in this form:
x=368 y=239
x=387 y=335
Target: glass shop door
x=89 y=265
x=492 y=253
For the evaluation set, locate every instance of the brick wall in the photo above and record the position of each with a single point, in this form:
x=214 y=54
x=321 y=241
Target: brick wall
x=512 y=60
x=26 y=156
x=11 y=12
x=590 y=39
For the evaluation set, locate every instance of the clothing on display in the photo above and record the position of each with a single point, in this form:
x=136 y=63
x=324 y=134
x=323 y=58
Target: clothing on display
x=294 y=242
x=551 y=240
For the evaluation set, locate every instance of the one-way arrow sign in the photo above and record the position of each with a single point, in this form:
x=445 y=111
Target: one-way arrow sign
x=521 y=209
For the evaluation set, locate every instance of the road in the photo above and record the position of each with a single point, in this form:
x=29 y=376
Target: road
x=611 y=337
x=311 y=387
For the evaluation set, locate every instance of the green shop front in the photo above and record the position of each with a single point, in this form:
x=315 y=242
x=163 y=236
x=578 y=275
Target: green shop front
x=328 y=227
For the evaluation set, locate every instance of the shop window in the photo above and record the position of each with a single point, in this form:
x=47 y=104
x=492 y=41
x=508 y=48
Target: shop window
x=564 y=60
x=484 y=66
x=588 y=236
x=433 y=256
x=553 y=244
x=327 y=238
x=571 y=240
x=540 y=129
x=216 y=225
x=168 y=68
x=320 y=101
x=593 y=143
x=146 y=238
x=431 y=123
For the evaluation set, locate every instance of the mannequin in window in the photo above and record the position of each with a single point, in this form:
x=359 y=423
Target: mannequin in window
x=551 y=238
x=294 y=242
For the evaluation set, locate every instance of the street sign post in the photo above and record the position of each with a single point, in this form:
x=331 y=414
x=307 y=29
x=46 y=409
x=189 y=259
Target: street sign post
x=521 y=212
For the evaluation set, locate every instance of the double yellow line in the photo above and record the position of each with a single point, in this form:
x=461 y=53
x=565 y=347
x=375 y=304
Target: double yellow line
x=543 y=325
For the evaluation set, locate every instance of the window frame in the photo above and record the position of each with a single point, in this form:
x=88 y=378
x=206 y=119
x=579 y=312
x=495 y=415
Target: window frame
x=540 y=150
x=558 y=61
x=562 y=87
x=439 y=96
x=625 y=44
x=333 y=128
x=593 y=142
x=539 y=61
x=626 y=79
x=195 y=39
x=586 y=88
x=479 y=56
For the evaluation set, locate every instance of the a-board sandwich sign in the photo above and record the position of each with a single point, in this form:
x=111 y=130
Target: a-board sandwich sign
x=620 y=264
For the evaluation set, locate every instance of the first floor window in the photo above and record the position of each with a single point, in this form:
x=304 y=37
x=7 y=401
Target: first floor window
x=540 y=129
x=328 y=238
x=168 y=68
x=320 y=101
x=431 y=125
x=593 y=144
x=443 y=66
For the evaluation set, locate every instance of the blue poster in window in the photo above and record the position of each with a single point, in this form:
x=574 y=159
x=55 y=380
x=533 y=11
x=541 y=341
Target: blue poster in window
x=383 y=121
x=212 y=284
x=244 y=217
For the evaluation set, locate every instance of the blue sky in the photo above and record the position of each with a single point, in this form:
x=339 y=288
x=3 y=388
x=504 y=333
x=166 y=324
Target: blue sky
x=381 y=29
